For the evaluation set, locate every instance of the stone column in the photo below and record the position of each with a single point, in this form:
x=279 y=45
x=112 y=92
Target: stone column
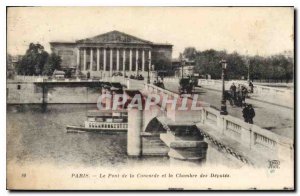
x=118 y=63
x=150 y=60
x=130 y=60
x=110 y=63
x=104 y=59
x=137 y=61
x=143 y=60
x=78 y=62
x=124 y=60
x=98 y=59
x=78 y=57
x=84 y=59
x=91 y=59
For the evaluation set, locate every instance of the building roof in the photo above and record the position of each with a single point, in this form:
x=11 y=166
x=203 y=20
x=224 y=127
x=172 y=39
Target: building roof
x=114 y=37
x=62 y=42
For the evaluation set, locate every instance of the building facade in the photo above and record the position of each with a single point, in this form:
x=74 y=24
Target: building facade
x=113 y=52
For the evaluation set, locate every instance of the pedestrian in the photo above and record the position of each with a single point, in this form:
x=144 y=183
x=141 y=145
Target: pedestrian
x=245 y=113
x=239 y=88
x=251 y=113
x=244 y=93
x=251 y=87
x=240 y=98
x=233 y=90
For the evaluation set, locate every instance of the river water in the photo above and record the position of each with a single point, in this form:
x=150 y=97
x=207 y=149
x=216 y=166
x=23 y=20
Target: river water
x=34 y=136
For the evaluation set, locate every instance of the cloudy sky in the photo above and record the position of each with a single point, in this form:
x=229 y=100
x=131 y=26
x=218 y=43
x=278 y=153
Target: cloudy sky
x=263 y=31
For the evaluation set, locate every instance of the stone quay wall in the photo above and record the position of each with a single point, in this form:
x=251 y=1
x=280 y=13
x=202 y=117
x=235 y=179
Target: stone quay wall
x=29 y=93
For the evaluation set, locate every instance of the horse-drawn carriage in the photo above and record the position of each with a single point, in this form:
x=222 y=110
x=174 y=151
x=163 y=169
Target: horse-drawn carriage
x=187 y=85
x=237 y=98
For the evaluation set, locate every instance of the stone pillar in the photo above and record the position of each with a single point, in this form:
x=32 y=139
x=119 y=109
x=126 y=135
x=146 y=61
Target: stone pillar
x=104 y=59
x=130 y=60
x=118 y=60
x=149 y=66
x=78 y=58
x=143 y=60
x=110 y=63
x=84 y=59
x=182 y=147
x=124 y=60
x=137 y=61
x=98 y=59
x=91 y=59
x=135 y=126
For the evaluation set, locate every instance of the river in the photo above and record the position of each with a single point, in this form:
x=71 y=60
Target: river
x=34 y=136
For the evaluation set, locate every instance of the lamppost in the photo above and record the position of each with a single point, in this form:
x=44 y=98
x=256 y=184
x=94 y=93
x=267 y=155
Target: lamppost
x=248 y=63
x=182 y=65
x=223 y=101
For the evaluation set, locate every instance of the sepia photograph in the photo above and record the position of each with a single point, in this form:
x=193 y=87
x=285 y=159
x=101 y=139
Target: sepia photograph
x=150 y=98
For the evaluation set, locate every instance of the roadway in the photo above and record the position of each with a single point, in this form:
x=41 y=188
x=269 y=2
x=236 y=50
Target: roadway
x=275 y=118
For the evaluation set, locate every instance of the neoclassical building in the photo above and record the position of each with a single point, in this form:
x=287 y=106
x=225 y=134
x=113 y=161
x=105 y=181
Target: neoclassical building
x=113 y=52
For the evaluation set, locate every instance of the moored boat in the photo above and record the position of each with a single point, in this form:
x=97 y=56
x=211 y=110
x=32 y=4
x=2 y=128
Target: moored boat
x=105 y=121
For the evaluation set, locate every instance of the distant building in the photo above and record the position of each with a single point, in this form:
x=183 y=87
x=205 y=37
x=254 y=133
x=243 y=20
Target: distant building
x=11 y=63
x=176 y=62
x=188 y=70
x=113 y=52
x=188 y=67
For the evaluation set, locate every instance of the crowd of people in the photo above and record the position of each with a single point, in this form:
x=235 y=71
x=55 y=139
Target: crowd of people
x=239 y=95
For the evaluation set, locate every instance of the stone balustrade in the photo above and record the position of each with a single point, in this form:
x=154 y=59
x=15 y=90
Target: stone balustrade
x=23 y=78
x=278 y=96
x=258 y=89
x=250 y=136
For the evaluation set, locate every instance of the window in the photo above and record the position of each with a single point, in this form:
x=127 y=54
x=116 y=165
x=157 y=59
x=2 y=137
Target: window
x=19 y=87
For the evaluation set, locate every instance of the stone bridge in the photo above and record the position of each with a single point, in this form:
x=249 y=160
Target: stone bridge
x=182 y=134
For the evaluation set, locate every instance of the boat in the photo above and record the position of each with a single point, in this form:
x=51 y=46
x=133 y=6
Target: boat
x=105 y=121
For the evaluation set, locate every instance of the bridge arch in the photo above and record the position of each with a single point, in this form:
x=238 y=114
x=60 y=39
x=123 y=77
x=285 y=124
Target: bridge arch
x=155 y=126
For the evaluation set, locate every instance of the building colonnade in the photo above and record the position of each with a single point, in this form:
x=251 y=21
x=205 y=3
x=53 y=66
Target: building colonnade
x=89 y=59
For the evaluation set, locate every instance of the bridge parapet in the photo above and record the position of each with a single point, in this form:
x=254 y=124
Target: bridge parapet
x=179 y=113
x=235 y=132
x=251 y=137
x=278 y=96
x=258 y=89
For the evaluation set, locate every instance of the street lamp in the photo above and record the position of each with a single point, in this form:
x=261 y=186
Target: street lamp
x=182 y=65
x=223 y=101
x=248 y=63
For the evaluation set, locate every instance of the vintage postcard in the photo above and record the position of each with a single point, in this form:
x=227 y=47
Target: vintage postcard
x=150 y=98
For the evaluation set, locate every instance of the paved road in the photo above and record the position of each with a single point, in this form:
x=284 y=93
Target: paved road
x=274 y=118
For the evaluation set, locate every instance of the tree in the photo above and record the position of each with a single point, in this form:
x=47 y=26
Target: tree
x=32 y=63
x=53 y=63
x=190 y=53
x=276 y=67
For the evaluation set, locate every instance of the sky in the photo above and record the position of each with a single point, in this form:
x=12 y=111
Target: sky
x=253 y=31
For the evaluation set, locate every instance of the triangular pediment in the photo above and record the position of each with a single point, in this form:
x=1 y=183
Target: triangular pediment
x=114 y=37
